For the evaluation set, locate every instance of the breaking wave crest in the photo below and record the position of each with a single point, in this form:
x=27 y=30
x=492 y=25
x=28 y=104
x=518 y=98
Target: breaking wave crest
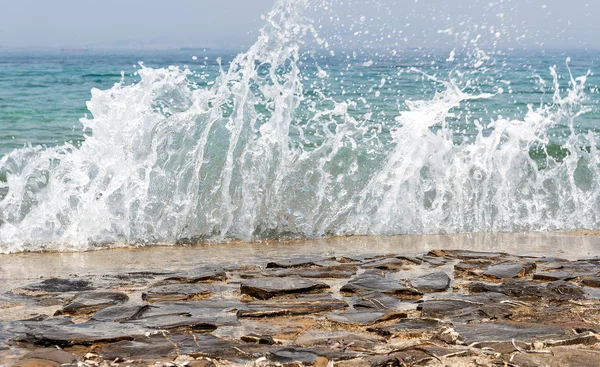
x=259 y=155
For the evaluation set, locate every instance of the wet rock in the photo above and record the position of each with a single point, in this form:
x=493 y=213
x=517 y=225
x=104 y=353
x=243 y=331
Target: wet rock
x=552 y=276
x=506 y=331
x=369 y=282
x=591 y=282
x=258 y=339
x=509 y=270
x=466 y=269
x=467 y=308
x=304 y=304
x=210 y=346
x=291 y=263
x=88 y=302
x=64 y=333
x=526 y=289
x=120 y=313
x=265 y=288
x=517 y=289
x=291 y=354
x=467 y=255
x=412 y=327
x=430 y=283
x=389 y=264
x=58 y=285
x=381 y=301
x=331 y=272
x=213 y=274
x=355 y=317
x=156 y=346
x=215 y=312
x=406 y=357
x=138 y=350
x=433 y=261
x=181 y=322
x=176 y=292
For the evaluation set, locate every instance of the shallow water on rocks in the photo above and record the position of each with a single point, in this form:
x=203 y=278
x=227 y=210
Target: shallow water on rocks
x=21 y=268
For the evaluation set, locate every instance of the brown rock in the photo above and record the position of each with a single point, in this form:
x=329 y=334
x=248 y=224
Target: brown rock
x=368 y=282
x=304 y=304
x=431 y=283
x=509 y=270
x=265 y=288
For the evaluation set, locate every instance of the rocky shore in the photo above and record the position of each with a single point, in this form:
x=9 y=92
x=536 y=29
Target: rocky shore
x=439 y=308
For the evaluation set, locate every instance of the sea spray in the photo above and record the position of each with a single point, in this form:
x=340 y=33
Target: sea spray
x=266 y=151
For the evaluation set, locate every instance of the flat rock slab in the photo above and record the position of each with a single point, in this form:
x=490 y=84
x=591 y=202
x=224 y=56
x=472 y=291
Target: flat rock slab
x=306 y=304
x=88 y=302
x=465 y=310
x=408 y=326
x=265 y=288
x=467 y=255
x=431 y=283
x=176 y=292
x=216 y=312
x=375 y=283
x=58 y=285
x=389 y=264
x=525 y=289
x=64 y=333
x=180 y=322
x=138 y=350
x=329 y=272
x=120 y=313
x=292 y=263
x=204 y=274
x=355 y=317
x=509 y=270
x=551 y=276
x=168 y=346
x=504 y=331
x=382 y=301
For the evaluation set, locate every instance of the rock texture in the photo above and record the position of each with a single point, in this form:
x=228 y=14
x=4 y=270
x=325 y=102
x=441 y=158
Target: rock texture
x=453 y=308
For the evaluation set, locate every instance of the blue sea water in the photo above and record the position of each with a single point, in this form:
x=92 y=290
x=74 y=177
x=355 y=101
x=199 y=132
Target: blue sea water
x=179 y=146
x=43 y=94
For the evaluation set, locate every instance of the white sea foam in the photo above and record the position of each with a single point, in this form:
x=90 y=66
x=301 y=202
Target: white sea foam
x=169 y=162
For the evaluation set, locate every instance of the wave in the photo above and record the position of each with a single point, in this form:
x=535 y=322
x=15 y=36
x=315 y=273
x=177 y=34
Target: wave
x=257 y=154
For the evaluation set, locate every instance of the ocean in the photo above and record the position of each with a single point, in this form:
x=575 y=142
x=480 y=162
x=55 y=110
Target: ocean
x=290 y=139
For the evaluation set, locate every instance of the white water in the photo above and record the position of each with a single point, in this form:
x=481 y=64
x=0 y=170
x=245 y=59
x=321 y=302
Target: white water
x=170 y=162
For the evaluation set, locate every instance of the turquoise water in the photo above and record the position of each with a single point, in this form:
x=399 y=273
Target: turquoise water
x=43 y=94
x=294 y=138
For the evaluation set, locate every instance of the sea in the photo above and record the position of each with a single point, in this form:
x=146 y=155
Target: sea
x=294 y=138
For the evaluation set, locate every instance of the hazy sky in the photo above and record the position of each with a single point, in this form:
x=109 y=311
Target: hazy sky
x=233 y=23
